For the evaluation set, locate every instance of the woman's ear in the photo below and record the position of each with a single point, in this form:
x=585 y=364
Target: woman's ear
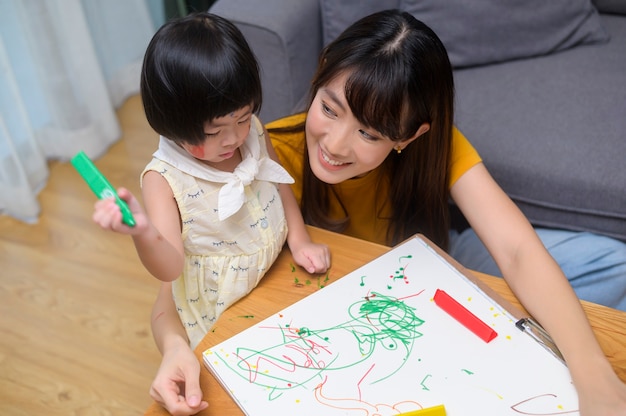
x=423 y=129
x=420 y=131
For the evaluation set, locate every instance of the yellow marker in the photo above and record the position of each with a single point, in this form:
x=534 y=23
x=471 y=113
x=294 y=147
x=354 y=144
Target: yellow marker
x=431 y=411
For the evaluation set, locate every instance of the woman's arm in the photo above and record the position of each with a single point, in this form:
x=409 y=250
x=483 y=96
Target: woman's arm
x=176 y=386
x=315 y=258
x=541 y=287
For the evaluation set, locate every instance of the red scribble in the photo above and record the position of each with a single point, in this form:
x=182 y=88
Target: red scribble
x=358 y=404
x=305 y=350
x=358 y=385
x=413 y=295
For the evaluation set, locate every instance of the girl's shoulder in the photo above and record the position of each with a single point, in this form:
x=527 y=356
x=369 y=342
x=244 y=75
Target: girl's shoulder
x=154 y=166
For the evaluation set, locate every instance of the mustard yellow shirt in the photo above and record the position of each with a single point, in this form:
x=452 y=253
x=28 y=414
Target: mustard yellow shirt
x=361 y=197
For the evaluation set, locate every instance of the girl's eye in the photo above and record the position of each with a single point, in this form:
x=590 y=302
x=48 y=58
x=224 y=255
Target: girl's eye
x=244 y=121
x=213 y=134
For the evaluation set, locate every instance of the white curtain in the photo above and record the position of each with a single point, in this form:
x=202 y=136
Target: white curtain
x=65 y=65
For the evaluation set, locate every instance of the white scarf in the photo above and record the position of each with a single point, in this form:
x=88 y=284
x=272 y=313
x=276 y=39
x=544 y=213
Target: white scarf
x=231 y=195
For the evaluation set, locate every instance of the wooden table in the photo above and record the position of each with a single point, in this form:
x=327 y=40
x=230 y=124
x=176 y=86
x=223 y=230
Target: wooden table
x=285 y=284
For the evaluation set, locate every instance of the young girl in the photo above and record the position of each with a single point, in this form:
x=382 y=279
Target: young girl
x=377 y=157
x=216 y=219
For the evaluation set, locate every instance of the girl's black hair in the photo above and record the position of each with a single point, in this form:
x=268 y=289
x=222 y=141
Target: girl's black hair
x=195 y=69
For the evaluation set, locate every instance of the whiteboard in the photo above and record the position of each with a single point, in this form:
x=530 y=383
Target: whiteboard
x=375 y=343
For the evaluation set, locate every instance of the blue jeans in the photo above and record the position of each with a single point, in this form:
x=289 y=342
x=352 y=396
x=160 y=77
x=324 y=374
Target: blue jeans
x=594 y=265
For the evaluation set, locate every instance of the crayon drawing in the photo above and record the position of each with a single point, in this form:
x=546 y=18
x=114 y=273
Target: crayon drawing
x=375 y=343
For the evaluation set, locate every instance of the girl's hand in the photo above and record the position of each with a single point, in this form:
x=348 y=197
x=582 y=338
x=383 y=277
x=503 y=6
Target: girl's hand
x=108 y=216
x=314 y=258
x=176 y=386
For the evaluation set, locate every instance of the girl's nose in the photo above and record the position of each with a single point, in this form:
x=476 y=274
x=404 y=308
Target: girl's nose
x=230 y=139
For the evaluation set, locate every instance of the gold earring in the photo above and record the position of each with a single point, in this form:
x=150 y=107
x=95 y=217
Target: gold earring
x=398 y=149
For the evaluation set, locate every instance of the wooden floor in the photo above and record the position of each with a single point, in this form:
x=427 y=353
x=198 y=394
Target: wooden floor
x=75 y=301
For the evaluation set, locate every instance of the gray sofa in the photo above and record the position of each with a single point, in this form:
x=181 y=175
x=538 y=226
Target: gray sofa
x=541 y=89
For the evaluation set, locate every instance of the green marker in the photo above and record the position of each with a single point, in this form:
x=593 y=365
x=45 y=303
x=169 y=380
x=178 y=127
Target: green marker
x=100 y=185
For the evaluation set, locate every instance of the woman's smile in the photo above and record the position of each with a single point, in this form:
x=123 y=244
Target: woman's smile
x=329 y=162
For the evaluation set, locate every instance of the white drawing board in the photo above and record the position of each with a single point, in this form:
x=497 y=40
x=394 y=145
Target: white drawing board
x=375 y=343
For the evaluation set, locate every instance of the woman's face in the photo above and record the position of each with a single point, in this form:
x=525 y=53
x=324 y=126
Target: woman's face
x=339 y=146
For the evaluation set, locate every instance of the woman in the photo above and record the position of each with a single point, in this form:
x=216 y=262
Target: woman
x=376 y=156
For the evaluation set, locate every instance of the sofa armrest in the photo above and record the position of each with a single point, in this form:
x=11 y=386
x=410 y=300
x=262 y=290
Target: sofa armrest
x=286 y=37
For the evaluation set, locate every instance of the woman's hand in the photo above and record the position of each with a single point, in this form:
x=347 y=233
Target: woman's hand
x=602 y=394
x=176 y=386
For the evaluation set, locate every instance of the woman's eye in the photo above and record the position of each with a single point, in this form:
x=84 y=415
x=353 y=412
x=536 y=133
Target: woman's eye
x=326 y=109
x=367 y=136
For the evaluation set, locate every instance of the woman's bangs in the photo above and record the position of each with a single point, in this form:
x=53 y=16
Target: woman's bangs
x=377 y=99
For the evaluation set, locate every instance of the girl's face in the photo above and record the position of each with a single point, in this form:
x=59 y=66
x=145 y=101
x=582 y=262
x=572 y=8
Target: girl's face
x=339 y=146
x=223 y=136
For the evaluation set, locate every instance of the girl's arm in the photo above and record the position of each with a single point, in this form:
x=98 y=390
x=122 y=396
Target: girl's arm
x=157 y=234
x=176 y=386
x=159 y=245
x=541 y=287
x=315 y=258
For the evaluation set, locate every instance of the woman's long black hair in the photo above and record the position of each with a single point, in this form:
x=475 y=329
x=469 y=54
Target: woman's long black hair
x=399 y=78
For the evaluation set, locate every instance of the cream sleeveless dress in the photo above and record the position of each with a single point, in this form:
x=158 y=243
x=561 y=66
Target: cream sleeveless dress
x=224 y=258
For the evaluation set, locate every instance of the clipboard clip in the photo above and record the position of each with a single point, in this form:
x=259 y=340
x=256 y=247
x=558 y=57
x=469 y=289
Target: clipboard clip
x=536 y=331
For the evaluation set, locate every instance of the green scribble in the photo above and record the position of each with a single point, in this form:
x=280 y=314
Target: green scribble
x=304 y=332
x=399 y=274
x=424 y=381
x=320 y=283
x=302 y=355
x=467 y=371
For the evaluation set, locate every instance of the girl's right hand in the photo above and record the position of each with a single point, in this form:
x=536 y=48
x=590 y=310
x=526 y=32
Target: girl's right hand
x=108 y=216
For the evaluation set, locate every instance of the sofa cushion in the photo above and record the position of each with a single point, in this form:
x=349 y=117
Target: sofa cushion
x=610 y=6
x=288 y=33
x=480 y=32
x=338 y=15
x=551 y=132
x=486 y=31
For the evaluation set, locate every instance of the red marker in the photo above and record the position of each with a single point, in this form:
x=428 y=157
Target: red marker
x=464 y=316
